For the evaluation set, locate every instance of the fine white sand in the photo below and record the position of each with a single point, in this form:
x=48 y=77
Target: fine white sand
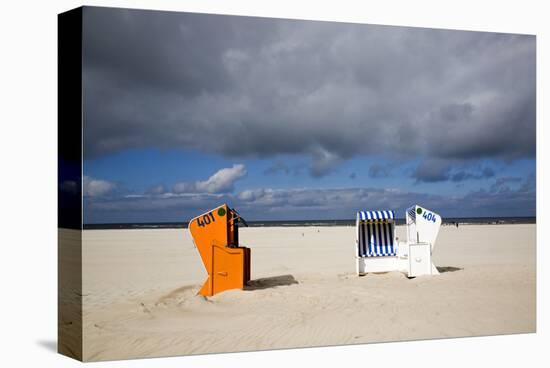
x=139 y=292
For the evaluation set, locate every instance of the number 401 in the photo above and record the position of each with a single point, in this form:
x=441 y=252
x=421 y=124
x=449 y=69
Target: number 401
x=205 y=219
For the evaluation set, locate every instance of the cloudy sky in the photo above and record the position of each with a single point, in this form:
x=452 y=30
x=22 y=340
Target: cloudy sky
x=291 y=119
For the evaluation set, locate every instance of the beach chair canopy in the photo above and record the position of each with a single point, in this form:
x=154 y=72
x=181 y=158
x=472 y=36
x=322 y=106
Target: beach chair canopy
x=376 y=215
x=376 y=236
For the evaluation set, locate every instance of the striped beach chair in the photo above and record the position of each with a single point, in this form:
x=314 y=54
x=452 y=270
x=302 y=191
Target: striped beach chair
x=376 y=245
x=376 y=234
x=377 y=248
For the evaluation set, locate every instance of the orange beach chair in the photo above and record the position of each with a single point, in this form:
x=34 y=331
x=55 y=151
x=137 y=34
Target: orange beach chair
x=216 y=236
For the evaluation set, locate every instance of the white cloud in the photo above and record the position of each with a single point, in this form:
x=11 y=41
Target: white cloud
x=508 y=197
x=96 y=187
x=158 y=189
x=184 y=188
x=221 y=182
x=250 y=195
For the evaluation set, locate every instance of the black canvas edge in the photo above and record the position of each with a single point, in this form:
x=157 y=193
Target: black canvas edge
x=69 y=64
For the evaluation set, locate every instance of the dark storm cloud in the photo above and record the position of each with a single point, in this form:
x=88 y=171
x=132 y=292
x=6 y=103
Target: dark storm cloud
x=437 y=170
x=250 y=87
x=431 y=171
x=462 y=175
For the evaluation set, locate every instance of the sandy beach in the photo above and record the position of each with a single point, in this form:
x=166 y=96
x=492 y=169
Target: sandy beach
x=139 y=292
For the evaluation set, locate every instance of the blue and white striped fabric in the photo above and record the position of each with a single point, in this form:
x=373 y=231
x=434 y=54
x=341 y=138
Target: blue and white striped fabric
x=376 y=239
x=376 y=234
x=375 y=215
x=412 y=213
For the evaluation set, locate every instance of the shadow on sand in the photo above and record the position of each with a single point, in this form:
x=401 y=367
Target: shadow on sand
x=448 y=269
x=269 y=282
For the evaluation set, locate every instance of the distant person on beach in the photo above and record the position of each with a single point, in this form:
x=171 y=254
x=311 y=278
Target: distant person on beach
x=457 y=225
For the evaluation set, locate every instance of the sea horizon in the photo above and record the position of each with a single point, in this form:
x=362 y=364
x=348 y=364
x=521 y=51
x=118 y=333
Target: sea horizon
x=294 y=223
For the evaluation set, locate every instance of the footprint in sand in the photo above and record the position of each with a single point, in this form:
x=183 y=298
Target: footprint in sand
x=144 y=308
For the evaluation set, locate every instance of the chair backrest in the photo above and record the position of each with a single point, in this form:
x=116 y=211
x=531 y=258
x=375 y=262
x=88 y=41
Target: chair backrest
x=422 y=225
x=376 y=234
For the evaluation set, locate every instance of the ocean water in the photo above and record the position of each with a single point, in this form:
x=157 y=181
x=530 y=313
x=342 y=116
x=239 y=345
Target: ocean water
x=290 y=223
